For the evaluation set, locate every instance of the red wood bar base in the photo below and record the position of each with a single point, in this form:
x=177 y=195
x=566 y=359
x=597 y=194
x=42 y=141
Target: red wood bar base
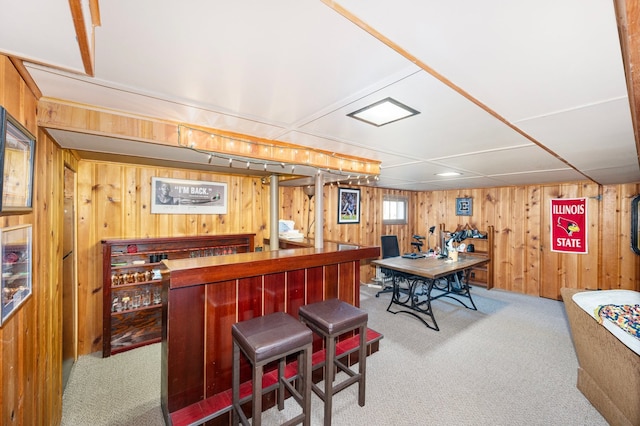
x=203 y=297
x=220 y=403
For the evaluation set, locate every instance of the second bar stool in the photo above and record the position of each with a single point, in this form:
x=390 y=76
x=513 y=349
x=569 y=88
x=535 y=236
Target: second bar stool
x=331 y=319
x=263 y=340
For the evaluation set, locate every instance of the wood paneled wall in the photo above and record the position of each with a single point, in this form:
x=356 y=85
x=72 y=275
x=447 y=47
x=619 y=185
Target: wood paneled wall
x=30 y=340
x=523 y=261
x=114 y=202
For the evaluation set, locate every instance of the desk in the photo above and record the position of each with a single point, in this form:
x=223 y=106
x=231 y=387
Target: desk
x=425 y=275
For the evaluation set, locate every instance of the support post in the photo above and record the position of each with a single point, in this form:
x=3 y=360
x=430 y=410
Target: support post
x=319 y=233
x=274 y=214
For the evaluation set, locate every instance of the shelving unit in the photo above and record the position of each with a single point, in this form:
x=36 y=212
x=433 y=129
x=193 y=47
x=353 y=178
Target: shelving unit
x=482 y=275
x=132 y=307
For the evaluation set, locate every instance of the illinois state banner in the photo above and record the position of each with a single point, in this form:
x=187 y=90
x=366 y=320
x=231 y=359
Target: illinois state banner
x=569 y=225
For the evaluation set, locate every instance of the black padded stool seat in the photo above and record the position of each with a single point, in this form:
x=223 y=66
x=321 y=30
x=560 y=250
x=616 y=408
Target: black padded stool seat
x=263 y=340
x=331 y=319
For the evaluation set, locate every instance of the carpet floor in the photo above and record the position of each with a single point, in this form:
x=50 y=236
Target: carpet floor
x=511 y=362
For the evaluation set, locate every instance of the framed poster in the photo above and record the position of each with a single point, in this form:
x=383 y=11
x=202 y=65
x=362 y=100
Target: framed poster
x=16 y=162
x=15 y=284
x=569 y=225
x=181 y=196
x=635 y=224
x=464 y=206
x=348 y=205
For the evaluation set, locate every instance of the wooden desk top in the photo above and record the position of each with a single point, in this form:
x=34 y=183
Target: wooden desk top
x=431 y=267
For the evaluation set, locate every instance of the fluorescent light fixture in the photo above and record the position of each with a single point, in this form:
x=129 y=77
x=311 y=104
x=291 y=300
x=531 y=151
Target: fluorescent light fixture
x=448 y=174
x=383 y=112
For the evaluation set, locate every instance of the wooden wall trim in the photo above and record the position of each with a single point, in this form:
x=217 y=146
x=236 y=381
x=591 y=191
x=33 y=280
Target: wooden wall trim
x=54 y=114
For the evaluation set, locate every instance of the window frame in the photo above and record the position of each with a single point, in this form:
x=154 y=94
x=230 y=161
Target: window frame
x=395 y=199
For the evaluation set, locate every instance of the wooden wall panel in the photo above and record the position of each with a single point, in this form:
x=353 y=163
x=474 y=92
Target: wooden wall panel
x=523 y=260
x=531 y=235
x=114 y=202
x=30 y=340
x=113 y=205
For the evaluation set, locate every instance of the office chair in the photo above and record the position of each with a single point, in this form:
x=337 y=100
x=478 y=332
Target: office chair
x=389 y=248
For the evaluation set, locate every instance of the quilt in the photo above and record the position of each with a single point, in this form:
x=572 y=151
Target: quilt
x=592 y=302
x=627 y=317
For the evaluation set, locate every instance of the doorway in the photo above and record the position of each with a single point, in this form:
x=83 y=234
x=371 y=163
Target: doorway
x=69 y=296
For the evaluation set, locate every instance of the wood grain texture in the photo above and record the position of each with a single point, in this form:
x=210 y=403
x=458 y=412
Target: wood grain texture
x=200 y=310
x=30 y=340
x=67 y=115
x=523 y=260
x=521 y=214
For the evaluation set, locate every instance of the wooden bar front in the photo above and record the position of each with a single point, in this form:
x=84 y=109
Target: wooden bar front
x=203 y=297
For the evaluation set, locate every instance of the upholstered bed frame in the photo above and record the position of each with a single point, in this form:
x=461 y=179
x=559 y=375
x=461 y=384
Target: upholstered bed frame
x=608 y=371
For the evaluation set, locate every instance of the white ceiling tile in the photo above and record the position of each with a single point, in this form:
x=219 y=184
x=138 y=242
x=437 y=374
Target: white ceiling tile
x=291 y=70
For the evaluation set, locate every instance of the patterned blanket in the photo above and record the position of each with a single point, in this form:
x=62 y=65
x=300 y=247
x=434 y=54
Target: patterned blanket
x=627 y=317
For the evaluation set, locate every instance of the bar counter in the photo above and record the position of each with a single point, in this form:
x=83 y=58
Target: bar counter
x=203 y=297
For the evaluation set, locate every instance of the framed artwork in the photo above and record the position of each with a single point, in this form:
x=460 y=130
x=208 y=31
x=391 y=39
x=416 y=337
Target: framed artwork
x=17 y=147
x=635 y=224
x=348 y=205
x=180 y=196
x=15 y=284
x=464 y=206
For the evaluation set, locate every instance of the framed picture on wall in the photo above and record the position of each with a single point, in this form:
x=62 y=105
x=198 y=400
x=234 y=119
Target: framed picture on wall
x=181 y=196
x=348 y=205
x=17 y=147
x=15 y=284
x=464 y=206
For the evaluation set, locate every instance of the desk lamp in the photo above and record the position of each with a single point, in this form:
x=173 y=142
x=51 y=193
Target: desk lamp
x=429 y=249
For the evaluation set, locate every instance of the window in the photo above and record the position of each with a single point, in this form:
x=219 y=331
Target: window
x=394 y=210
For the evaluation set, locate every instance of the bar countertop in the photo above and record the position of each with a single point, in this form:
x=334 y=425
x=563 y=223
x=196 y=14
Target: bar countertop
x=232 y=266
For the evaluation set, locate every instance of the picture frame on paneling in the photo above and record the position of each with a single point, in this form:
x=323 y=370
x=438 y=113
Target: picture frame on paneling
x=464 y=206
x=182 y=196
x=635 y=224
x=348 y=205
x=17 y=152
x=15 y=283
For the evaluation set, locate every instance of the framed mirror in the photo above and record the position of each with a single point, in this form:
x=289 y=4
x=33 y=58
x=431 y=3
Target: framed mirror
x=635 y=225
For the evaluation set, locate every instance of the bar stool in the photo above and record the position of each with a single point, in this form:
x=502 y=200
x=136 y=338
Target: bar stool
x=331 y=319
x=263 y=340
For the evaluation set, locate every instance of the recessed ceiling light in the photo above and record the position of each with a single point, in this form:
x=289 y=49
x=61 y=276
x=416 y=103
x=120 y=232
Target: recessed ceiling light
x=446 y=174
x=383 y=112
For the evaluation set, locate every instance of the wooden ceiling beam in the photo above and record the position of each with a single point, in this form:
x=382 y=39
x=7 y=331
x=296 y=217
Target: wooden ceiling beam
x=86 y=40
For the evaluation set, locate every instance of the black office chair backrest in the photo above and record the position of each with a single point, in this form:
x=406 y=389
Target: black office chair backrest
x=389 y=246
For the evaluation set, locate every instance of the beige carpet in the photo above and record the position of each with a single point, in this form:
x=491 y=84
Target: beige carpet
x=509 y=363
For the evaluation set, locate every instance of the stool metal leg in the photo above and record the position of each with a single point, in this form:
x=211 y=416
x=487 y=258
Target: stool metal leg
x=281 y=379
x=329 y=375
x=362 y=365
x=256 y=411
x=236 y=384
x=306 y=381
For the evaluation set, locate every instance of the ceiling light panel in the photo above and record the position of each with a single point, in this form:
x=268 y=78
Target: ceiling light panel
x=383 y=112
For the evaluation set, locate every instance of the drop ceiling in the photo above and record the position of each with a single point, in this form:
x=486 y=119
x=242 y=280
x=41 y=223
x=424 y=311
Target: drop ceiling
x=509 y=93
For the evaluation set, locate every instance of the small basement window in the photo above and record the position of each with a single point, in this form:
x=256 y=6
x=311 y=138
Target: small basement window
x=394 y=210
